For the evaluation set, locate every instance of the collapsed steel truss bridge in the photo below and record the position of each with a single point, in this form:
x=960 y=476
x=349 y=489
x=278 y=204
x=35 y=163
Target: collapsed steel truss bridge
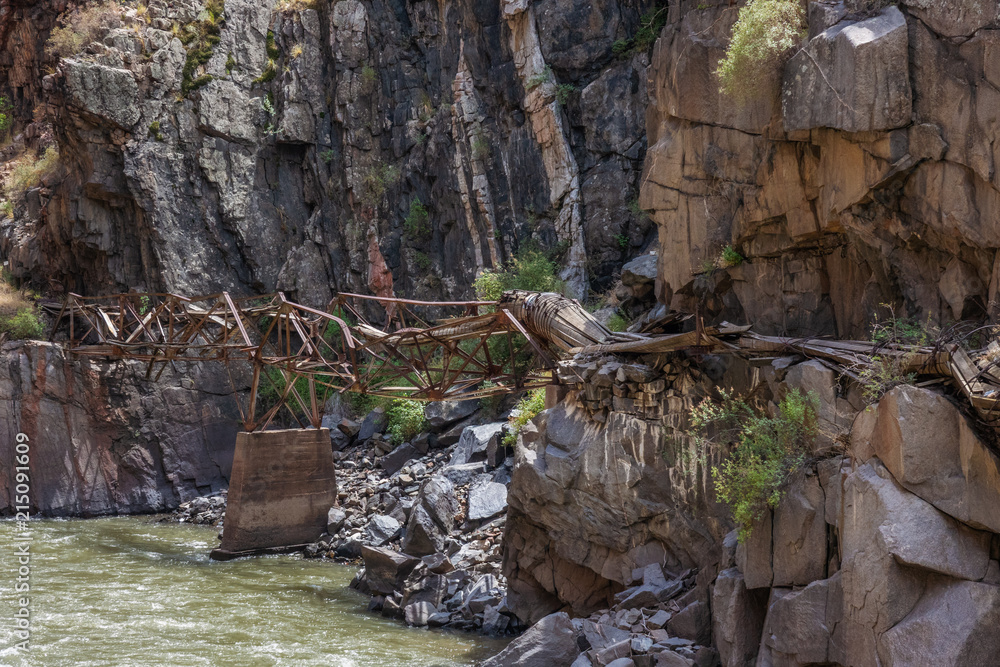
x=295 y=354
x=422 y=350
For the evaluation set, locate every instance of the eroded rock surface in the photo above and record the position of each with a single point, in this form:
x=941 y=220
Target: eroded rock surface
x=104 y=440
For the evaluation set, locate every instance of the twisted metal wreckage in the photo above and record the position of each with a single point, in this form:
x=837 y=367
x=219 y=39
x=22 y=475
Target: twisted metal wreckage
x=434 y=350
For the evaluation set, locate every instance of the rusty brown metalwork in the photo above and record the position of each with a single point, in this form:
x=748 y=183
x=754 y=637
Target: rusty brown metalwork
x=429 y=351
x=420 y=350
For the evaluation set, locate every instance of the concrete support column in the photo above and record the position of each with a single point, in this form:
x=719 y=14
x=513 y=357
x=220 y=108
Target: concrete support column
x=282 y=486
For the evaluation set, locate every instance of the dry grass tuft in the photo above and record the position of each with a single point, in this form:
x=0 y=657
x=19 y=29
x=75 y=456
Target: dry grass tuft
x=29 y=171
x=81 y=27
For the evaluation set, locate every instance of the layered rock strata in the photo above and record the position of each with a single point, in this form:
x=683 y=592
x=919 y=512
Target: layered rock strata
x=358 y=147
x=104 y=440
x=864 y=178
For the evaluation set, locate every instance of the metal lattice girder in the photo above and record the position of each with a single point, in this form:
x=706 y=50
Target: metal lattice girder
x=416 y=352
x=430 y=350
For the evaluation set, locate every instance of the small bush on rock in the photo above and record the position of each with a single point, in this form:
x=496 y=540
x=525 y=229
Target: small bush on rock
x=617 y=323
x=29 y=171
x=525 y=410
x=531 y=270
x=763 y=36
x=765 y=450
x=18 y=315
x=81 y=27
x=417 y=222
x=883 y=371
x=406 y=420
x=201 y=36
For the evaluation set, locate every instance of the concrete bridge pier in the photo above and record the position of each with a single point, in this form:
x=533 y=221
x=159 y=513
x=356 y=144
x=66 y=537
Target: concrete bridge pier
x=282 y=485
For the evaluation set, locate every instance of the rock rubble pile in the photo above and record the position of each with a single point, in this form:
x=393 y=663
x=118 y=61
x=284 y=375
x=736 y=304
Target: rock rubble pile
x=659 y=621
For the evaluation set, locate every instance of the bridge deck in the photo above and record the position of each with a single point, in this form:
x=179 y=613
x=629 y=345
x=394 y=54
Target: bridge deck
x=431 y=350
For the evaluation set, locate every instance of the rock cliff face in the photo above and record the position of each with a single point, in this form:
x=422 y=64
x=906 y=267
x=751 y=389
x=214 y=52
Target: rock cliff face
x=868 y=178
x=591 y=501
x=104 y=440
x=882 y=550
x=290 y=158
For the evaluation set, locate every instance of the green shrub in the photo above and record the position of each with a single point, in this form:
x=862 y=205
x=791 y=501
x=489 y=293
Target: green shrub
x=529 y=270
x=422 y=260
x=730 y=257
x=200 y=37
x=81 y=27
x=273 y=52
x=617 y=322
x=650 y=25
x=270 y=71
x=405 y=420
x=369 y=76
x=6 y=117
x=7 y=208
x=29 y=171
x=525 y=410
x=328 y=155
x=882 y=372
x=538 y=79
x=376 y=181
x=154 y=130
x=767 y=450
x=622 y=240
x=763 y=36
x=480 y=147
x=19 y=317
x=563 y=91
x=23 y=324
x=416 y=224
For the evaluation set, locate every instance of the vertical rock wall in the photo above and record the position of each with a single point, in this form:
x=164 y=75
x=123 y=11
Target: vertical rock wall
x=608 y=482
x=103 y=440
x=297 y=161
x=866 y=177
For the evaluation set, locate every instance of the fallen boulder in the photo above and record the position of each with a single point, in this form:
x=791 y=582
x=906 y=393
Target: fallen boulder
x=386 y=569
x=549 y=643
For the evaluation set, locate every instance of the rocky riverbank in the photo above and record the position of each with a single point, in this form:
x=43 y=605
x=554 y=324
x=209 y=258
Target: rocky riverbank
x=424 y=519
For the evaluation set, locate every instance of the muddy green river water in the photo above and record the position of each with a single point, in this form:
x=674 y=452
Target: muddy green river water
x=130 y=591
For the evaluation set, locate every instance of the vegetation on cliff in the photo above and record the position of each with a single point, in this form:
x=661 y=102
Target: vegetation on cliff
x=531 y=269
x=18 y=314
x=525 y=410
x=200 y=38
x=766 y=449
x=29 y=171
x=81 y=27
x=763 y=37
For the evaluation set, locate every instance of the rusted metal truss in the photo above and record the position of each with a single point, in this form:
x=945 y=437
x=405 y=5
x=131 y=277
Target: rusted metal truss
x=296 y=355
x=293 y=356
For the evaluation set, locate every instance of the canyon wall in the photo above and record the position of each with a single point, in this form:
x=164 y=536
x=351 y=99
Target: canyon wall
x=293 y=156
x=884 y=548
x=105 y=440
x=864 y=175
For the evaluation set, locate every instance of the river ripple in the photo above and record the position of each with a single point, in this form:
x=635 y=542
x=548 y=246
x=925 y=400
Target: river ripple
x=130 y=591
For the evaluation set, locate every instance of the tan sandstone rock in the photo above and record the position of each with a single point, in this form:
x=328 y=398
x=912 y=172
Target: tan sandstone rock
x=799 y=535
x=930 y=449
x=852 y=76
x=891 y=542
